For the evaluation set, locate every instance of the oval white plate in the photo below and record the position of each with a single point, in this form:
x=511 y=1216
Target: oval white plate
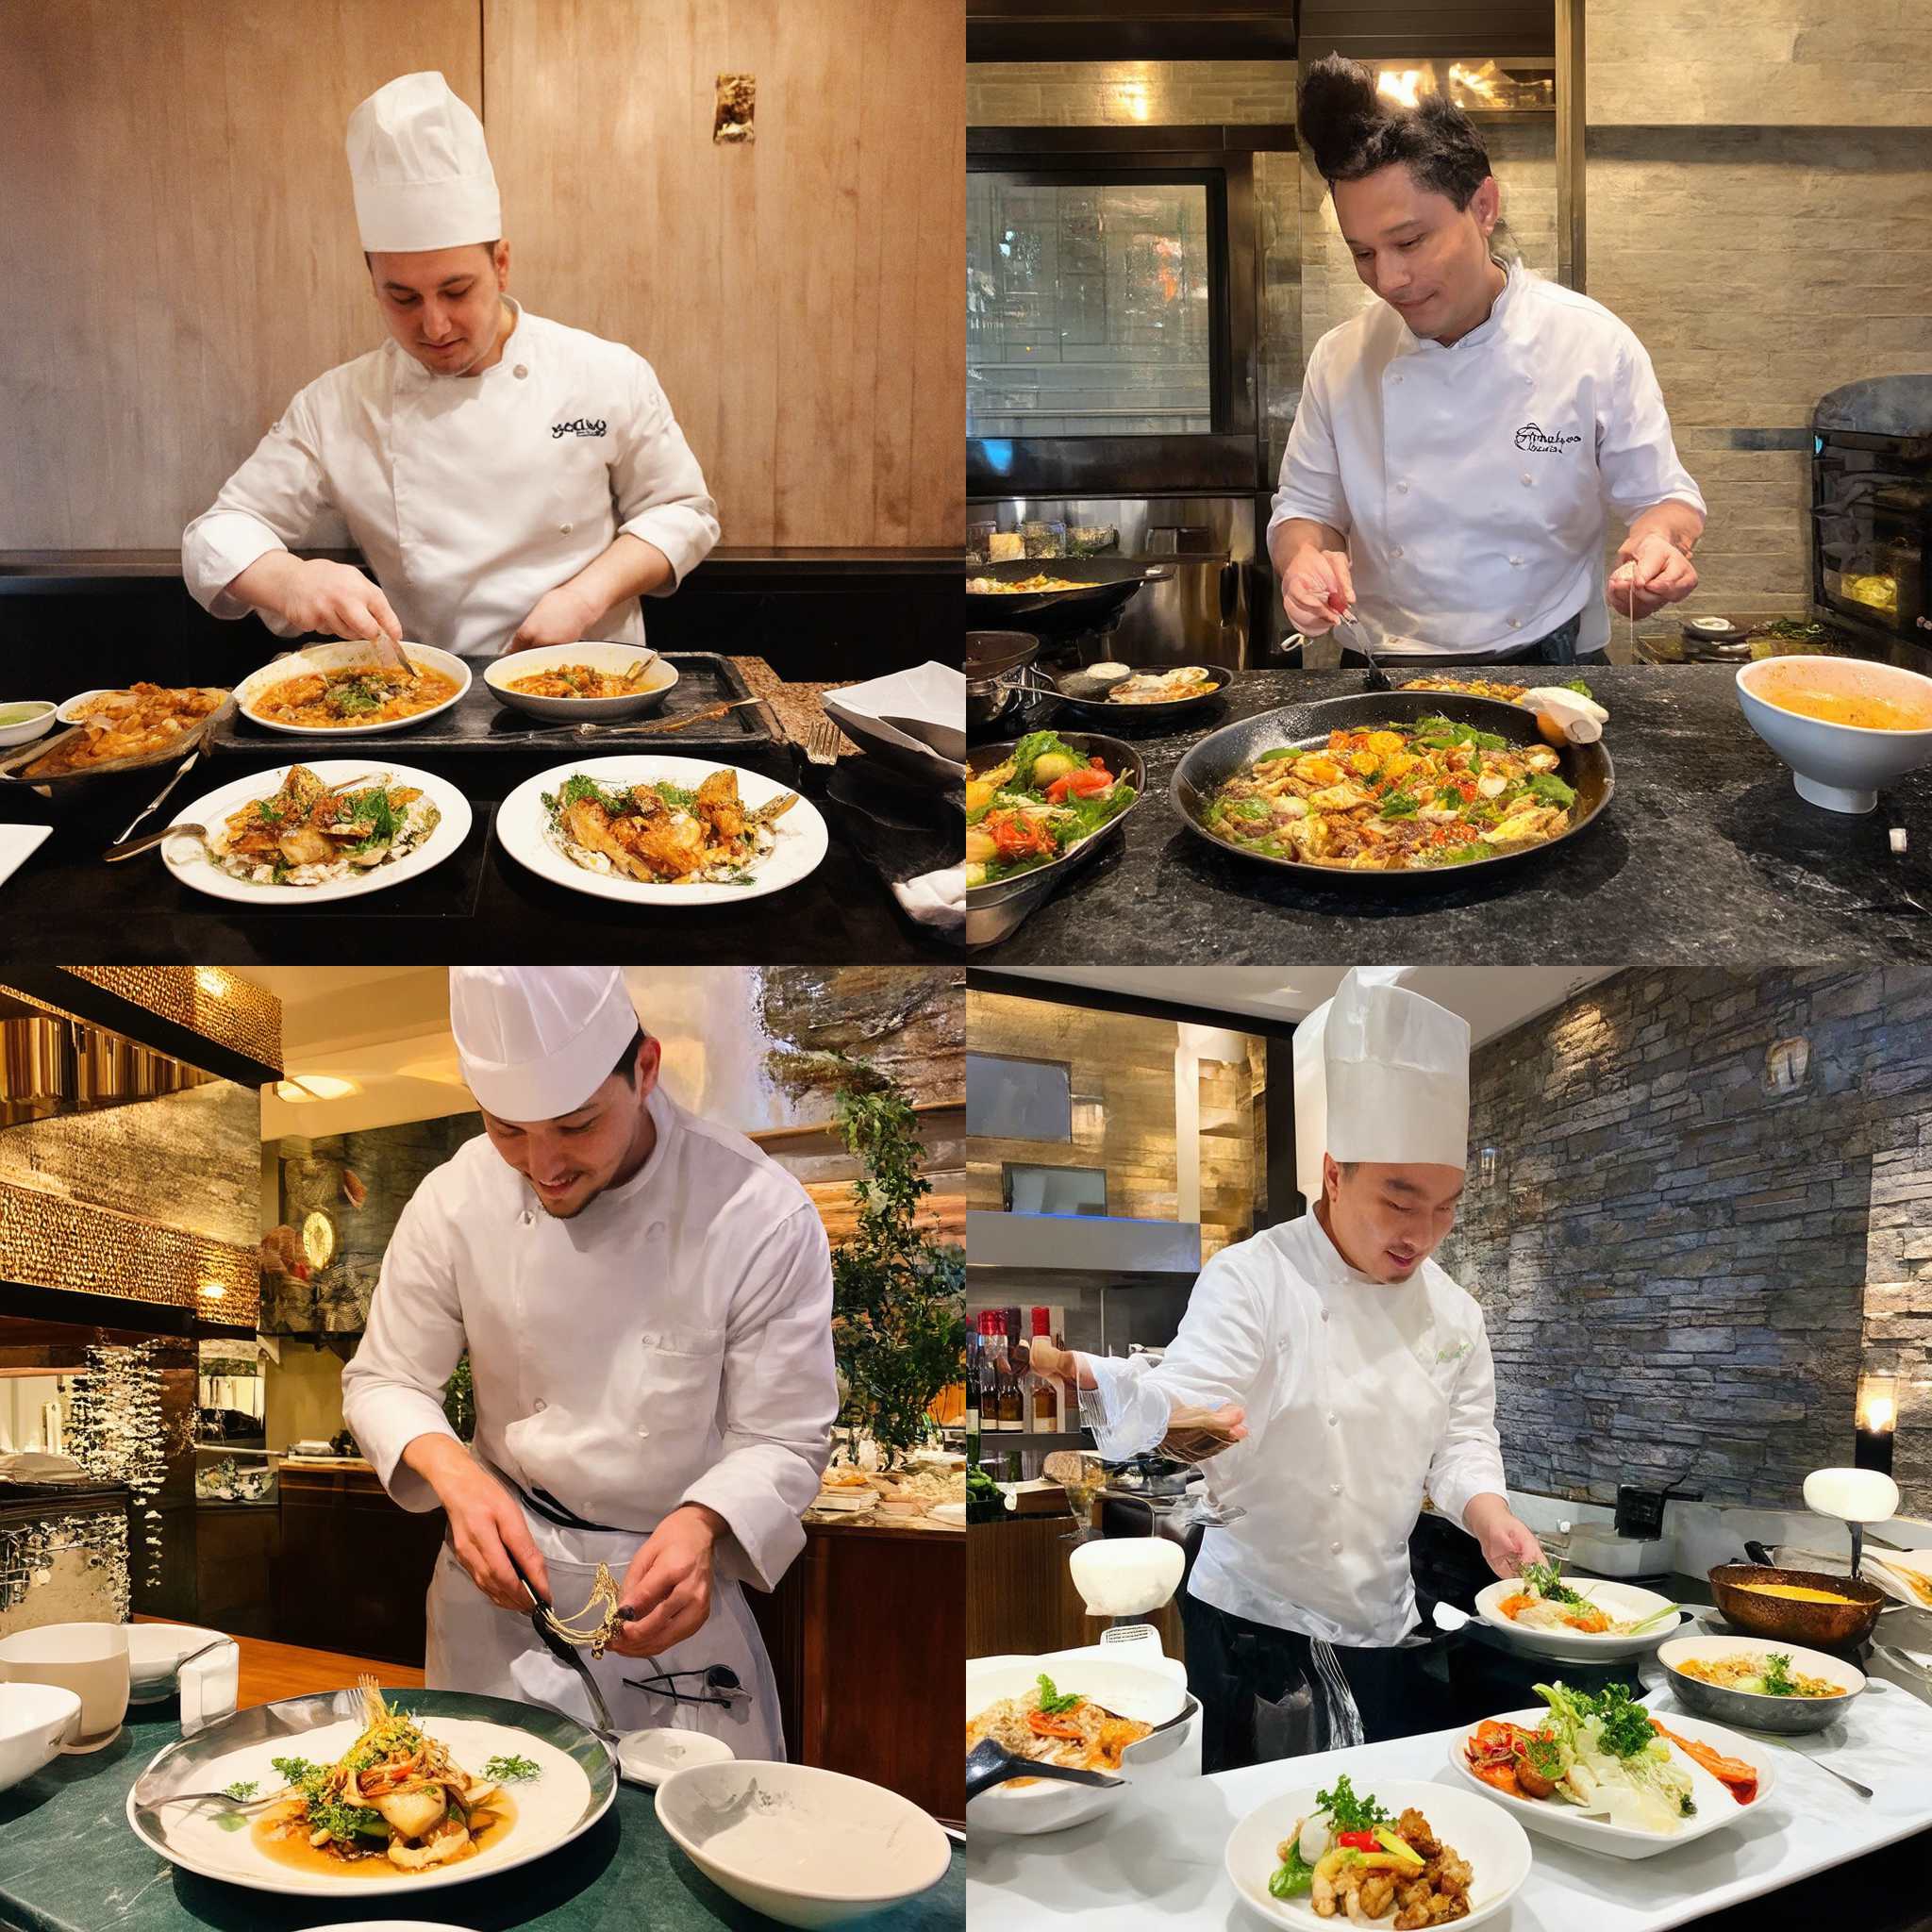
x=1493 y=1844
x=524 y=827
x=187 y=859
x=648 y=1758
x=659 y=682
x=1594 y=1832
x=552 y=1808
x=1621 y=1600
x=340 y=656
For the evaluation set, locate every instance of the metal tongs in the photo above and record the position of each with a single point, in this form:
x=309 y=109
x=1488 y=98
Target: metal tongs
x=564 y=1653
x=1344 y=613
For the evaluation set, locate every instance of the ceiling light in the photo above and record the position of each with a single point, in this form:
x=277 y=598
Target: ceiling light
x=212 y=1292
x=303 y=1086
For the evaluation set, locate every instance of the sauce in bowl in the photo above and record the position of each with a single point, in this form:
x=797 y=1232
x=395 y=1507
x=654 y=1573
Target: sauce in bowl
x=1848 y=707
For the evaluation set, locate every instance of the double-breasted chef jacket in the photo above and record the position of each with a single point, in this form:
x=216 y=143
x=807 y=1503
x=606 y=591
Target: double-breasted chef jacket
x=471 y=497
x=1361 y=1396
x=1472 y=480
x=669 y=1344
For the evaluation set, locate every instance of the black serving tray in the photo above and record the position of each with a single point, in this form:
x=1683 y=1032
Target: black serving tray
x=482 y=722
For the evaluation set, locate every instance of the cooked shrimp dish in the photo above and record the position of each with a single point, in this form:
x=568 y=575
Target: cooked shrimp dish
x=145 y=721
x=1051 y=1726
x=374 y=694
x=661 y=834
x=1405 y=798
x=306 y=833
x=581 y=681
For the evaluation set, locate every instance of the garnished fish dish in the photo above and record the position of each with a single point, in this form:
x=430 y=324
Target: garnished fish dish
x=306 y=833
x=663 y=834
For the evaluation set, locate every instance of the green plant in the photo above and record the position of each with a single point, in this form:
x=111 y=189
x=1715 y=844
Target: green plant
x=898 y=1297
x=459 y=1399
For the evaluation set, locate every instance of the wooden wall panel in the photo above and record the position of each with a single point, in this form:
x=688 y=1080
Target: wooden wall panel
x=181 y=240
x=799 y=293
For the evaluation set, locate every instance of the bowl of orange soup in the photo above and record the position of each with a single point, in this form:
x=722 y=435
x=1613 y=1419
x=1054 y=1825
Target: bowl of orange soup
x=1844 y=725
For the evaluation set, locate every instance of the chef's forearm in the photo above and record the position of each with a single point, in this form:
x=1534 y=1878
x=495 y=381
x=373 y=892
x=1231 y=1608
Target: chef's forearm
x=1297 y=534
x=266 y=583
x=1680 y=525
x=628 y=568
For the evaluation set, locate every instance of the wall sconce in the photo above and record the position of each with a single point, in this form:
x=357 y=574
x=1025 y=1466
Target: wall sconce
x=1876 y=1420
x=736 y=103
x=318 y=1239
x=1784 y=1064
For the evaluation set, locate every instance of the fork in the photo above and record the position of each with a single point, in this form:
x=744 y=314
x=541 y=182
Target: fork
x=821 y=742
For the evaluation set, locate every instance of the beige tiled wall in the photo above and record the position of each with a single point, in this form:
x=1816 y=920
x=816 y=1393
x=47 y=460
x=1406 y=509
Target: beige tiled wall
x=1118 y=93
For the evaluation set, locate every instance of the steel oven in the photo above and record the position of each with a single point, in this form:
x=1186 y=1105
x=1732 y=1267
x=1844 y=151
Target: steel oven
x=1872 y=507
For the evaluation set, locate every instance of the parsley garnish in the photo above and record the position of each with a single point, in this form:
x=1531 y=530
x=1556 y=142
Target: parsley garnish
x=1548 y=1584
x=243 y=1789
x=1778 y=1675
x=1052 y=1701
x=511 y=1770
x=1348 y=1812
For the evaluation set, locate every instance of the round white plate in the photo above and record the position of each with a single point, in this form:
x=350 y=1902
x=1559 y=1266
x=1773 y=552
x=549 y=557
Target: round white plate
x=648 y=1758
x=655 y=684
x=343 y=656
x=187 y=857
x=1594 y=1832
x=1620 y=1600
x=1493 y=1842
x=524 y=827
x=154 y=1653
x=573 y=1788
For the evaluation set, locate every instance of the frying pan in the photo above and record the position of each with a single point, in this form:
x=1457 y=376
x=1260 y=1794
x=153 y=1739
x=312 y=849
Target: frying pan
x=1222 y=754
x=1085 y=695
x=1107 y=584
x=1827 y=1625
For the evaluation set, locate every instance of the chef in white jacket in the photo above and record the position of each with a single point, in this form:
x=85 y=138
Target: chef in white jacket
x=646 y=1303
x=510 y=481
x=1344 y=1376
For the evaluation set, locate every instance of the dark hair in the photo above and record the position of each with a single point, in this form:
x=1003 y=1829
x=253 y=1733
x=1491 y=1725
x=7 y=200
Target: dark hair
x=627 y=1065
x=1352 y=132
x=369 y=260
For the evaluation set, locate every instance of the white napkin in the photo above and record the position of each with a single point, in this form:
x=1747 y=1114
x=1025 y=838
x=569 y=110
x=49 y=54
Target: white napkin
x=937 y=899
x=1582 y=719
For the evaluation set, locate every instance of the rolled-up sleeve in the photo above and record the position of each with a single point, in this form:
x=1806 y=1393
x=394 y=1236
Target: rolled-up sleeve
x=277 y=500
x=779 y=1395
x=1636 y=453
x=659 y=489
x=1468 y=1461
x=392 y=1387
x=1311 y=485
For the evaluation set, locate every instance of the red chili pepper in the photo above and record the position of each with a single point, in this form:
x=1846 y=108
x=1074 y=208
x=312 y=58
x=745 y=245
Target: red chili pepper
x=1357 y=1840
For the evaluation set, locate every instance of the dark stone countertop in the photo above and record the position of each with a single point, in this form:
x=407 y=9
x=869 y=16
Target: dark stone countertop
x=1706 y=856
x=70 y=1862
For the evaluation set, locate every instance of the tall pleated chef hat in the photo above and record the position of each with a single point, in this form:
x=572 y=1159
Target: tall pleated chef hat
x=536 y=1041
x=1380 y=1074
x=420 y=168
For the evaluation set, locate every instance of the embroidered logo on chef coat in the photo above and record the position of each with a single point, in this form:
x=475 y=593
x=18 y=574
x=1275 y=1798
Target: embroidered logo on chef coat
x=1533 y=436
x=579 y=425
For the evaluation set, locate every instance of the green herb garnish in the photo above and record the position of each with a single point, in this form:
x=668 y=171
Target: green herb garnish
x=243 y=1789
x=1548 y=1583
x=511 y=1770
x=1400 y=805
x=1778 y=1675
x=1347 y=1812
x=1053 y=1702
x=1551 y=790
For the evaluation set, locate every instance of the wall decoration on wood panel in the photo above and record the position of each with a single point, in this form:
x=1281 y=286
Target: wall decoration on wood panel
x=737 y=101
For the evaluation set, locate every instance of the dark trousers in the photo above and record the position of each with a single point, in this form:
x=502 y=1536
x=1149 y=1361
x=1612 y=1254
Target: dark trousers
x=1559 y=647
x=1265 y=1695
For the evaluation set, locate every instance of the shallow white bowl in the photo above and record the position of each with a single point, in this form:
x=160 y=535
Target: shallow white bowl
x=1716 y=1807
x=343 y=656
x=29 y=729
x=654 y=688
x=1840 y=767
x=804 y=1847
x=649 y=1756
x=1492 y=1840
x=1620 y=1600
x=33 y=1720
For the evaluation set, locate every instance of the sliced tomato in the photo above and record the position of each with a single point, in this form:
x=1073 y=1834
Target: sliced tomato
x=1079 y=785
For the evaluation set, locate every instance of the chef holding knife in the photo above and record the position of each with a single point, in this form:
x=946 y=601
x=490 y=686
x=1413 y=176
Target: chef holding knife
x=1335 y=1374
x=646 y=1303
x=1456 y=442
x=511 y=481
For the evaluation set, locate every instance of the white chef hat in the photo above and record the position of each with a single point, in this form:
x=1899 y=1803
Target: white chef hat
x=420 y=168
x=1380 y=1074
x=536 y=1041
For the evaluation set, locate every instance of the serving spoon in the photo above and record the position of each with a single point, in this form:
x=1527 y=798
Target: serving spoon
x=990 y=1763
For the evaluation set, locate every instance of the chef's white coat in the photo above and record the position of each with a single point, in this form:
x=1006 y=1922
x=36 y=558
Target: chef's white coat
x=1471 y=480
x=1360 y=1397
x=669 y=1344
x=470 y=498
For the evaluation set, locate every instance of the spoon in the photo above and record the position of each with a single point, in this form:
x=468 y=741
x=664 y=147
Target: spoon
x=991 y=1763
x=1823 y=1764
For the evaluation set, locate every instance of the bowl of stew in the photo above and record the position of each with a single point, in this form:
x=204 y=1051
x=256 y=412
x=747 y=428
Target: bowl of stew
x=1845 y=725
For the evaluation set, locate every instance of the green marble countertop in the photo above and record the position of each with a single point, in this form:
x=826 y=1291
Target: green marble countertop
x=70 y=1862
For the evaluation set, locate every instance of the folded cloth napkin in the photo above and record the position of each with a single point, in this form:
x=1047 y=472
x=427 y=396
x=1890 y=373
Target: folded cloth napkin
x=1581 y=720
x=937 y=899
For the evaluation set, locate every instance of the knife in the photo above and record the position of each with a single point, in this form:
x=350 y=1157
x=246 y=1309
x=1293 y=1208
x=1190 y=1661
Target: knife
x=564 y=1653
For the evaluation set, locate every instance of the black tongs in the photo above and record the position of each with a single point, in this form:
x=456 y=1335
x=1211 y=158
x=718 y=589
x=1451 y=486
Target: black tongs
x=563 y=1652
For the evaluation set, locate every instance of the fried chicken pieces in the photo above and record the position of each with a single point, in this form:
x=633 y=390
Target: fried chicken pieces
x=650 y=834
x=1436 y=1895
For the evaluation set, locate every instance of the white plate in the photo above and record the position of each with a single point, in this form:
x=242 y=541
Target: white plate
x=187 y=858
x=1127 y=1690
x=154 y=1654
x=1489 y=1839
x=648 y=1758
x=657 y=685
x=1593 y=1832
x=343 y=656
x=68 y=712
x=1620 y=1600
x=524 y=827
x=18 y=843
x=552 y=1808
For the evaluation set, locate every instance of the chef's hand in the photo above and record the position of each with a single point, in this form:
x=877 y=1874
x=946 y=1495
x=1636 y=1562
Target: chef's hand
x=560 y=618
x=1654 y=573
x=667 y=1589
x=1506 y=1544
x=486 y=1523
x=1315 y=579
x=1195 y=1434
x=337 y=600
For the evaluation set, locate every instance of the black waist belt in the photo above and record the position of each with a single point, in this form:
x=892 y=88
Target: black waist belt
x=541 y=1503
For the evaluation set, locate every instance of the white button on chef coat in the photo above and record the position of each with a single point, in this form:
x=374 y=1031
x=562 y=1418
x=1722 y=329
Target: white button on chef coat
x=718 y=1336
x=1550 y=376
x=471 y=497
x=1404 y=1370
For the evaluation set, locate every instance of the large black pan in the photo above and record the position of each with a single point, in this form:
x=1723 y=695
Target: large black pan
x=1223 y=754
x=1106 y=585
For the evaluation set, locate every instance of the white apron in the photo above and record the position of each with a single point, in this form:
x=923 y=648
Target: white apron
x=475 y=1646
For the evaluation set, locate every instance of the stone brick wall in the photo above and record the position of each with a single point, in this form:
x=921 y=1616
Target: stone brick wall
x=1681 y=1267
